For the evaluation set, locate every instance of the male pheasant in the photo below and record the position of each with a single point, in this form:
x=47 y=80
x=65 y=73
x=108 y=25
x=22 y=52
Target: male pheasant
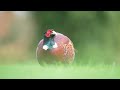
x=55 y=47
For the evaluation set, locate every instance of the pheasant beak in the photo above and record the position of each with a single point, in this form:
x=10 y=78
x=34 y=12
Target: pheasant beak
x=54 y=33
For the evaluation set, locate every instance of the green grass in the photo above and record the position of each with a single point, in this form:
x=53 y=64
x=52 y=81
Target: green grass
x=35 y=71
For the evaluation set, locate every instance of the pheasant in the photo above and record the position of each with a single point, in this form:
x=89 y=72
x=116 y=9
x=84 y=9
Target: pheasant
x=55 y=47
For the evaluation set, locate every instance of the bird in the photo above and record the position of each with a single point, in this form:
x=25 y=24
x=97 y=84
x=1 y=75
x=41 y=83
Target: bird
x=55 y=47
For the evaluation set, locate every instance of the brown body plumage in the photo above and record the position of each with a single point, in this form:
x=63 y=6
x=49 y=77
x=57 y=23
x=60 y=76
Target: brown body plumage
x=63 y=53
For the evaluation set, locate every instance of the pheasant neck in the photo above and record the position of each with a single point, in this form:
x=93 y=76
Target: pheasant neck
x=49 y=43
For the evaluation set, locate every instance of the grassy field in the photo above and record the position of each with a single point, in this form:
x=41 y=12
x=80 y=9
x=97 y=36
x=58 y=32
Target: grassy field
x=58 y=71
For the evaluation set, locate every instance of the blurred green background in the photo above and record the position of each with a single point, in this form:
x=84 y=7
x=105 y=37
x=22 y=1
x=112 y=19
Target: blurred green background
x=95 y=34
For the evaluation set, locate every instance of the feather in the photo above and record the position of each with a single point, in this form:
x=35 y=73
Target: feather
x=62 y=51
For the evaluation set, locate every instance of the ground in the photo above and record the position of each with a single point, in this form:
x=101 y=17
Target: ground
x=59 y=71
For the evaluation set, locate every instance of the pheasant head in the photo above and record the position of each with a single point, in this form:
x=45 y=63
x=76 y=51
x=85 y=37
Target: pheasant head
x=49 y=42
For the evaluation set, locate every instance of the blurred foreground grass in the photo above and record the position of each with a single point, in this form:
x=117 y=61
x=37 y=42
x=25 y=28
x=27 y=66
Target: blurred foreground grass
x=58 y=71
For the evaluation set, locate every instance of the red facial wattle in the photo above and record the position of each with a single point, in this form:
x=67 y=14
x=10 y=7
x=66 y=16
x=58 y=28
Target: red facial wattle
x=48 y=33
